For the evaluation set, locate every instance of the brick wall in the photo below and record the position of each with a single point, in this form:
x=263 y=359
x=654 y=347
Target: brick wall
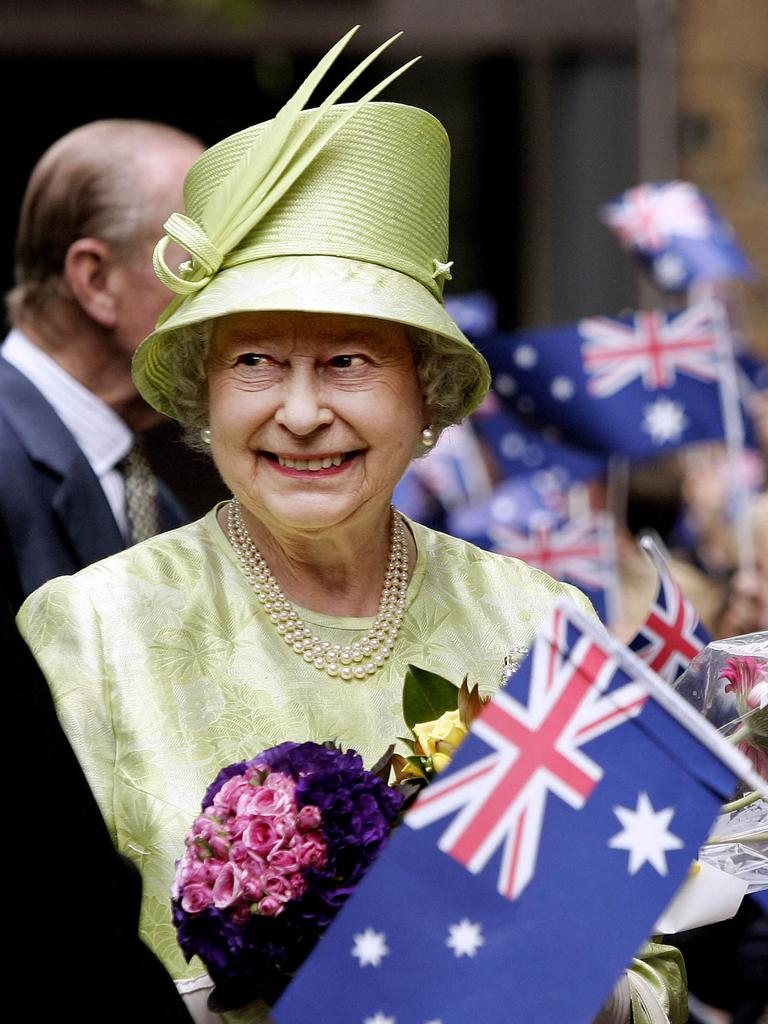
x=724 y=125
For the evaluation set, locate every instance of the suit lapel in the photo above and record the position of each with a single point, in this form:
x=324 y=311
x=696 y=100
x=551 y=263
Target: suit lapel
x=79 y=501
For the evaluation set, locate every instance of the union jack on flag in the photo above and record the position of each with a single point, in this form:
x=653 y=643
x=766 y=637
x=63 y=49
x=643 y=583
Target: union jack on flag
x=536 y=750
x=672 y=634
x=678 y=234
x=653 y=347
x=580 y=550
x=647 y=216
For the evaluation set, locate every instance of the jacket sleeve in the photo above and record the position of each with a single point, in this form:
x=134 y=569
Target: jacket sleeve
x=657 y=981
x=63 y=630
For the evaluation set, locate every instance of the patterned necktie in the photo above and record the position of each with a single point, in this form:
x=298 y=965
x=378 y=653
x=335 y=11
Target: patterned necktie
x=140 y=494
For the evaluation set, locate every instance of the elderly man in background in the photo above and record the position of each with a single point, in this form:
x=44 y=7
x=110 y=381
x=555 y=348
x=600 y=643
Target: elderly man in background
x=75 y=485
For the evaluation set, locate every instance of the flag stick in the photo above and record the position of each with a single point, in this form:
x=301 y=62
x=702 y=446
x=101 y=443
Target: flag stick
x=618 y=500
x=733 y=424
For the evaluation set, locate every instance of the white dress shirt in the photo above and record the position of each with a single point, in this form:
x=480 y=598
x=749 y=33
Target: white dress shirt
x=102 y=436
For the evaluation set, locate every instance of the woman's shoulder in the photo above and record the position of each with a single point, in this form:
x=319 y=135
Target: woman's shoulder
x=167 y=562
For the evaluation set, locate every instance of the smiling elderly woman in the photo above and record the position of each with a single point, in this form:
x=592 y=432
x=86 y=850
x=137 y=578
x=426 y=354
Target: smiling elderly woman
x=309 y=348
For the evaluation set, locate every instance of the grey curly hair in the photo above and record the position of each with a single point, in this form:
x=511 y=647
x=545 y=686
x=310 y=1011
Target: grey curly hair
x=446 y=376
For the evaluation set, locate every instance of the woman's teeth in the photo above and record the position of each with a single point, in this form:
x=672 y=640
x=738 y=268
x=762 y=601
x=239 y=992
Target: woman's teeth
x=325 y=463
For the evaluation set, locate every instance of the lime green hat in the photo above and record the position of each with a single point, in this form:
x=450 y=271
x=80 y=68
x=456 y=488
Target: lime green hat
x=341 y=209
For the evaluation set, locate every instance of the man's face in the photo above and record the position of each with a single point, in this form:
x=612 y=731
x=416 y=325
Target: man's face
x=140 y=297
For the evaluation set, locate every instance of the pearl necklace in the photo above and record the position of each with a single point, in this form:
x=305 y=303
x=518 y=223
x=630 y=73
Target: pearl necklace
x=351 y=661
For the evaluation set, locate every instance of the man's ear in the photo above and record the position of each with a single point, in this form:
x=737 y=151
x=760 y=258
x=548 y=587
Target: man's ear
x=87 y=271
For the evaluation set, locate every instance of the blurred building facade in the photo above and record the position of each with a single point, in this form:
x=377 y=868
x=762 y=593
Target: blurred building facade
x=724 y=125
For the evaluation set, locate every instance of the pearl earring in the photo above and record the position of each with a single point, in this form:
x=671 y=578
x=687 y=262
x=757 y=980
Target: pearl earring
x=205 y=435
x=427 y=437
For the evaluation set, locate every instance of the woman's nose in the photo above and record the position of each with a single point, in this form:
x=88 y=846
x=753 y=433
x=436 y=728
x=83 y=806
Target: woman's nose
x=303 y=408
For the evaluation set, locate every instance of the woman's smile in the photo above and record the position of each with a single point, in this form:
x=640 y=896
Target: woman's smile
x=311 y=465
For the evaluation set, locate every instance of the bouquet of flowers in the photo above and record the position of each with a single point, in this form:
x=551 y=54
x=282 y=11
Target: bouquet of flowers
x=281 y=842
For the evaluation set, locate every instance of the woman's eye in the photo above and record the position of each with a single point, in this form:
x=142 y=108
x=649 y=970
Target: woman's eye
x=346 y=362
x=251 y=359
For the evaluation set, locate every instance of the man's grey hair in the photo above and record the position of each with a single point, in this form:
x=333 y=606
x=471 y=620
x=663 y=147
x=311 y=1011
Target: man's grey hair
x=88 y=184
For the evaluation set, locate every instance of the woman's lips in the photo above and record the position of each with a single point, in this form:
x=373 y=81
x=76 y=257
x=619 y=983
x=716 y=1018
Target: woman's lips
x=320 y=465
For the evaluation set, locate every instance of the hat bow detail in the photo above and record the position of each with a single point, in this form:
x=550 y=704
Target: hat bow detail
x=190 y=236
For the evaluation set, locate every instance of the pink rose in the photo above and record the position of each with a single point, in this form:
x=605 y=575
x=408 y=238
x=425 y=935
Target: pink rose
x=298 y=885
x=284 y=860
x=256 y=771
x=197 y=873
x=282 y=783
x=285 y=825
x=196 y=897
x=204 y=826
x=219 y=846
x=260 y=837
x=312 y=852
x=213 y=867
x=239 y=852
x=253 y=888
x=276 y=884
x=309 y=818
x=227 y=887
x=268 y=803
x=230 y=793
x=270 y=907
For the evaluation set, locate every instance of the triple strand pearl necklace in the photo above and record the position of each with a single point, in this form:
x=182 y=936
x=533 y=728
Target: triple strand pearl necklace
x=351 y=661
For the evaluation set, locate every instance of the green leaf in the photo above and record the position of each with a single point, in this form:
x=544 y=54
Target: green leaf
x=427 y=696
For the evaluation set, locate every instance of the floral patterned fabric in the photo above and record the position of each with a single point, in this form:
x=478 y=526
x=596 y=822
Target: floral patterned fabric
x=164 y=669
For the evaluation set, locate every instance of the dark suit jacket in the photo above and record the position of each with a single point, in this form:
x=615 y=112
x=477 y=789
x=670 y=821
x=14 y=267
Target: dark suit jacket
x=78 y=938
x=55 y=514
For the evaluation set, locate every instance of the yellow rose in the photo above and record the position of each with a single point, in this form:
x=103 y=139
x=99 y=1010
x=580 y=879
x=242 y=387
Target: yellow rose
x=441 y=738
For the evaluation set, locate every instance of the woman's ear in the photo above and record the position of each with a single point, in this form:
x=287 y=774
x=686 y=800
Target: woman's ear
x=87 y=271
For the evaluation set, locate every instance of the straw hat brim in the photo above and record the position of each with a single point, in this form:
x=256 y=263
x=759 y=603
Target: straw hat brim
x=307 y=284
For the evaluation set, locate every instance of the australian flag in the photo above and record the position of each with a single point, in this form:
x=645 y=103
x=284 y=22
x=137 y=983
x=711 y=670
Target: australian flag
x=672 y=635
x=524 y=880
x=640 y=385
x=518 y=449
x=528 y=518
x=677 y=234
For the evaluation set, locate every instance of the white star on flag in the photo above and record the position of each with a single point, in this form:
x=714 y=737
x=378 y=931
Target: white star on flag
x=505 y=384
x=379 y=1018
x=525 y=356
x=645 y=835
x=664 y=420
x=512 y=444
x=669 y=269
x=562 y=388
x=370 y=947
x=465 y=938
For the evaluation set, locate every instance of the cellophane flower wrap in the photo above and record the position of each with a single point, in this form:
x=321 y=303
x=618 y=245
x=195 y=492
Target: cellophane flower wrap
x=281 y=842
x=728 y=683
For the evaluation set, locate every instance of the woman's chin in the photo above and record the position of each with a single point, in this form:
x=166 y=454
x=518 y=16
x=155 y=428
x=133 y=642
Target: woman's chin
x=304 y=512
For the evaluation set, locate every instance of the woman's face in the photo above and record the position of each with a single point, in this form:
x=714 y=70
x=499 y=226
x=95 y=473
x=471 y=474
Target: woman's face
x=313 y=417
